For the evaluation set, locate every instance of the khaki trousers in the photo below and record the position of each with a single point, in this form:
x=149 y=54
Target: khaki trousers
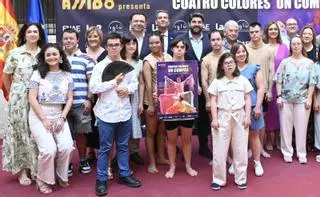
x=293 y=115
x=231 y=131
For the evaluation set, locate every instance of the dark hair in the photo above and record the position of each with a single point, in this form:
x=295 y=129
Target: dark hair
x=112 y=36
x=71 y=30
x=253 y=24
x=196 y=14
x=218 y=31
x=126 y=39
x=161 y=11
x=157 y=33
x=220 y=71
x=43 y=67
x=137 y=13
x=314 y=39
x=235 y=47
x=304 y=53
x=177 y=40
x=266 y=35
x=22 y=35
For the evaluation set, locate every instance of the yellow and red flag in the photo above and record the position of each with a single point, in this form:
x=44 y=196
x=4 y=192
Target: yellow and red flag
x=8 y=35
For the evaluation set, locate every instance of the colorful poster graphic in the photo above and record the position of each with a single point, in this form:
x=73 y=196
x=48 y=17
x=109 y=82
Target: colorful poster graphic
x=177 y=90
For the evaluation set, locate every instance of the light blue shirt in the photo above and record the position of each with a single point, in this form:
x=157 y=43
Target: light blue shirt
x=196 y=45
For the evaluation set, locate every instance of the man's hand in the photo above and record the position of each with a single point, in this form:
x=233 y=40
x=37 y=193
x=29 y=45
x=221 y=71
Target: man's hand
x=87 y=107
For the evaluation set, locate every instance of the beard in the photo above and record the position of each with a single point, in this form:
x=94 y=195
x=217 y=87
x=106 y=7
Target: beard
x=196 y=30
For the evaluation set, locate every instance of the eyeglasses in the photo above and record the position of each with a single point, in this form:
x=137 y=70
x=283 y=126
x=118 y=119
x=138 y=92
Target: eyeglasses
x=229 y=63
x=113 y=45
x=292 y=24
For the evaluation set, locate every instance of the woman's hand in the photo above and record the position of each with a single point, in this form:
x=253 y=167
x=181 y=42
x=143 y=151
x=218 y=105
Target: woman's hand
x=58 y=125
x=215 y=124
x=151 y=110
x=140 y=110
x=280 y=102
x=308 y=104
x=269 y=96
x=199 y=90
x=47 y=124
x=247 y=122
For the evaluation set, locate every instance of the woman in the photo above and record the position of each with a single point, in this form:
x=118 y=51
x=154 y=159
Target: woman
x=308 y=36
x=179 y=47
x=230 y=110
x=19 y=151
x=94 y=38
x=152 y=122
x=50 y=98
x=130 y=53
x=273 y=40
x=295 y=80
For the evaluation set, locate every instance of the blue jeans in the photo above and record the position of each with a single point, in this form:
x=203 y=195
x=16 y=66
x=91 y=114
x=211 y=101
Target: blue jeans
x=120 y=132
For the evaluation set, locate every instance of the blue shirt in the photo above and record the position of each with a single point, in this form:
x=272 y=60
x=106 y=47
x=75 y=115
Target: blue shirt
x=196 y=45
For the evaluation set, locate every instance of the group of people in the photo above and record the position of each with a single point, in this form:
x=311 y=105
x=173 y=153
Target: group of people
x=251 y=97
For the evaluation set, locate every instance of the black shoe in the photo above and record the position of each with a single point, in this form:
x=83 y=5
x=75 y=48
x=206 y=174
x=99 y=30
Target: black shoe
x=101 y=188
x=70 y=170
x=84 y=167
x=137 y=159
x=205 y=152
x=129 y=181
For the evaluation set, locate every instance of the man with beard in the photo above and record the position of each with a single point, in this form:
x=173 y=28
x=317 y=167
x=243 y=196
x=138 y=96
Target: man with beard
x=162 y=23
x=231 y=33
x=199 y=47
x=138 y=24
x=210 y=63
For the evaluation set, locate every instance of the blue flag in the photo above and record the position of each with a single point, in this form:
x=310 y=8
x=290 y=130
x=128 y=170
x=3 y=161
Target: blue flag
x=35 y=14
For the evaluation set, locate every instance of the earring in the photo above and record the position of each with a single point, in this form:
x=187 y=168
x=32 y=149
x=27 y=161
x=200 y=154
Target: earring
x=61 y=61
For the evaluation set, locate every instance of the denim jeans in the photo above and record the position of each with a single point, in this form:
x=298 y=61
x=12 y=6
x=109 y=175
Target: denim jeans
x=120 y=132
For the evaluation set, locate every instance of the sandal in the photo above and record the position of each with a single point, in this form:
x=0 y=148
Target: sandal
x=24 y=180
x=62 y=183
x=42 y=187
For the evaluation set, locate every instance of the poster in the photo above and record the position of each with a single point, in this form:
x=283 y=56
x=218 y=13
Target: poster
x=177 y=90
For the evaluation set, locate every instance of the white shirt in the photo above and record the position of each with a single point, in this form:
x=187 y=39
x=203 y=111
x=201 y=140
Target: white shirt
x=110 y=107
x=165 y=41
x=140 y=43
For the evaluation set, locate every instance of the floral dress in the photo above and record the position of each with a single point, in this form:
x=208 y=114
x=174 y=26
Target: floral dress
x=19 y=150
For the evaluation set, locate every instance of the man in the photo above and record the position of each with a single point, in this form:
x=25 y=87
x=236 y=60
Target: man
x=138 y=24
x=113 y=112
x=79 y=117
x=231 y=33
x=260 y=54
x=162 y=22
x=291 y=31
x=210 y=63
x=199 y=47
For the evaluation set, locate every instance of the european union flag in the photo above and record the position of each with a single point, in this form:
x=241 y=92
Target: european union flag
x=35 y=14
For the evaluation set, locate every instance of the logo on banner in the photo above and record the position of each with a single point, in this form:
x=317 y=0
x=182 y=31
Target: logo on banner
x=116 y=26
x=180 y=26
x=243 y=26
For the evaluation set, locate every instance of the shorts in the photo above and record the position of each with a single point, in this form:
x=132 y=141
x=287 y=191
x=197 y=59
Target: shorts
x=256 y=124
x=78 y=122
x=171 y=125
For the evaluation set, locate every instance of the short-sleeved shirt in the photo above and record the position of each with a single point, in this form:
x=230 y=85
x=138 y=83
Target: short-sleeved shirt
x=53 y=89
x=295 y=78
x=230 y=93
x=81 y=71
x=250 y=72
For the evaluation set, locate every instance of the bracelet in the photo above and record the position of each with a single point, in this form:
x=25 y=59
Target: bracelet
x=278 y=95
x=63 y=118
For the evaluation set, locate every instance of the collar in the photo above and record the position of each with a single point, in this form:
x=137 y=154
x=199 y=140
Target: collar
x=191 y=37
x=226 y=80
x=256 y=47
x=165 y=34
x=23 y=49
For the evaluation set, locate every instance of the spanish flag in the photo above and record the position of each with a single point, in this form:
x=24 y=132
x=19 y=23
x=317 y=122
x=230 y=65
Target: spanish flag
x=8 y=35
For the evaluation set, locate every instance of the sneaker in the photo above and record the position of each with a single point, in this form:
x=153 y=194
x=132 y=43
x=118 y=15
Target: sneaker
x=258 y=169
x=215 y=186
x=101 y=188
x=318 y=158
x=84 y=167
x=231 y=169
x=70 y=170
x=242 y=186
x=110 y=174
x=303 y=160
x=287 y=159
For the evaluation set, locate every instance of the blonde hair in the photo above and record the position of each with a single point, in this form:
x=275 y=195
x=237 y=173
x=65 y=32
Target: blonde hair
x=94 y=29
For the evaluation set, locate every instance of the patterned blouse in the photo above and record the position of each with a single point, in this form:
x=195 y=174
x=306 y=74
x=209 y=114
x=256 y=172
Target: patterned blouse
x=53 y=89
x=295 y=78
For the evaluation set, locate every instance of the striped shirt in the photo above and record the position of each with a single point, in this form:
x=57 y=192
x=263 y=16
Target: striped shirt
x=81 y=71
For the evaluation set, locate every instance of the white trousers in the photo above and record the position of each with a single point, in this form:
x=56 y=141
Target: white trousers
x=231 y=129
x=55 y=149
x=293 y=115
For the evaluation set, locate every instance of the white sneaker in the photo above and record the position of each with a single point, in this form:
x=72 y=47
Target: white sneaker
x=303 y=160
x=231 y=169
x=258 y=169
x=318 y=158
